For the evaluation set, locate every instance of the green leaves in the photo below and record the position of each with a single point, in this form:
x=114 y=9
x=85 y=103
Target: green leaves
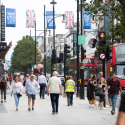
x=24 y=54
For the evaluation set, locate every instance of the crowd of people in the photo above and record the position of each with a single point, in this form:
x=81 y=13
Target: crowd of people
x=95 y=89
x=99 y=89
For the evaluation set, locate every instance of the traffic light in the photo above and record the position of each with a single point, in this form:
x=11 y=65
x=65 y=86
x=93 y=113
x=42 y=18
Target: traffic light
x=108 y=53
x=83 y=55
x=54 y=57
x=60 y=58
x=102 y=38
x=66 y=51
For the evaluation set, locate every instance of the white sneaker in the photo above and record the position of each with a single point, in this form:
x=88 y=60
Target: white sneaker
x=92 y=106
x=102 y=108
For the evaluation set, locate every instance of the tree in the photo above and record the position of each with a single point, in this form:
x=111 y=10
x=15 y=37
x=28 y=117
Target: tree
x=12 y=70
x=48 y=63
x=24 y=54
x=114 y=10
x=59 y=68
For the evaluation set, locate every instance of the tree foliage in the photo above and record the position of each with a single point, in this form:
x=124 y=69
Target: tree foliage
x=116 y=11
x=24 y=54
x=48 y=63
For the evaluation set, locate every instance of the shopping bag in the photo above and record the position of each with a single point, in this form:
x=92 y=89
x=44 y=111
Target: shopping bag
x=99 y=92
x=64 y=95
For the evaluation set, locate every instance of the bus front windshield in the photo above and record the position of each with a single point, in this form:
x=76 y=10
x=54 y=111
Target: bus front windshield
x=88 y=61
x=120 y=53
x=119 y=69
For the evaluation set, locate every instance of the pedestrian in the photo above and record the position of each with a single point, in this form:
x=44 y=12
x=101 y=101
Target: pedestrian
x=30 y=90
x=21 y=78
x=10 y=79
x=110 y=102
x=115 y=86
x=16 y=90
x=43 y=83
x=5 y=74
x=3 y=86
x=55 y=86
x=100 y=75
x=90 y=91
x=102 y=85
x=121 y=114
x=90 y=78
x=70 y=90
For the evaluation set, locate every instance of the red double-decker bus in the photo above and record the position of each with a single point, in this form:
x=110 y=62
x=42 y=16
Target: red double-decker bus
x=117 y=63
x=88 y=64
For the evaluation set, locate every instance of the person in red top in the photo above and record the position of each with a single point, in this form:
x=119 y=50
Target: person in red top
x=10 y=79
x=115 y=86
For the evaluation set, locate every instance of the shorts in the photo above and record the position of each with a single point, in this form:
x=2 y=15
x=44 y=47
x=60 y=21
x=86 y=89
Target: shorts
x=31 y=96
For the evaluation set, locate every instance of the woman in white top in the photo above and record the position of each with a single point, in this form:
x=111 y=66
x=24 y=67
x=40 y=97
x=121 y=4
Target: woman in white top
x=16 y=88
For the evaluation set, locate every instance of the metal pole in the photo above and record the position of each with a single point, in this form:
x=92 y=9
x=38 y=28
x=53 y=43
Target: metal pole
x=77 y=49
x=44 y=44
x=54 y=54
x=35 y=46
x=81 y=67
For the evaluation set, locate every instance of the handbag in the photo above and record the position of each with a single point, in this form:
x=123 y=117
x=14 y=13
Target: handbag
x=99 y=92
x=19 y=95
x=64 y=95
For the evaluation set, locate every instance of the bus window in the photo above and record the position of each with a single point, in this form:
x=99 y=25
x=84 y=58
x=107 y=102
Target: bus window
x=88 y=61
x=98 y=69
x=87 y=73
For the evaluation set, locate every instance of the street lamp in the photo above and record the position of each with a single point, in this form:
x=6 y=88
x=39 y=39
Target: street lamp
x=53 y=2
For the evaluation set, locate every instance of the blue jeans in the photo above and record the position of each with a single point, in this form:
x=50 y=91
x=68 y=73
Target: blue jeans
x=69 y=97
x=113 y=99
x=42 y=89
x=16 y=100
x=54 y=102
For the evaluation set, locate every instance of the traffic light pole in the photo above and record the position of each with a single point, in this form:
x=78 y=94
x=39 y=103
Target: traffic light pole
x=81 y=67
x=77 y=94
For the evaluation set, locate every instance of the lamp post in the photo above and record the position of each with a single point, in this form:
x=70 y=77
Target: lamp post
x=35 y=46
x=54 y=54
x=77 y=49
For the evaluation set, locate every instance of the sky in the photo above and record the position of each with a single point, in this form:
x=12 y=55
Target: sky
x=16 y=33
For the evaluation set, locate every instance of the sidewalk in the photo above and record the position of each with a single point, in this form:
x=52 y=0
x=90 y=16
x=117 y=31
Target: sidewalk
x=78 y=114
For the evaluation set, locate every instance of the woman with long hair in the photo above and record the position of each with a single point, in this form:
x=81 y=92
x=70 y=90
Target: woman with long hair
x=102 y=84
x=90 y=90
x=16 y=89
x=3 y=86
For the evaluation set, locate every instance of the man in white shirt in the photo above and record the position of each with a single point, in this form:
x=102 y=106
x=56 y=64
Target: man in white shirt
x=43 y=83
x=55 y=86
x=30 y=89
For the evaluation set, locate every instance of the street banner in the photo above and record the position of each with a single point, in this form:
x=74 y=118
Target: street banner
x=49 y=20
x=8 y=63
x=87 y=19
x=69 y=17
x=10 y=17
x=2 y=23
x=30 y=18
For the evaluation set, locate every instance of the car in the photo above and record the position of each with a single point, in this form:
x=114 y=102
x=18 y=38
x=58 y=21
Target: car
x=61 y=78
x=47 y=77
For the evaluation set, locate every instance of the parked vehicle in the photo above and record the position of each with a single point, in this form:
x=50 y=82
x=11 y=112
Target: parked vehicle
x=61 y=78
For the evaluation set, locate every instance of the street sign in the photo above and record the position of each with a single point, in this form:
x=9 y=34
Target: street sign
x=35 y=66
x=3 y=47
x=81 y=40
x=102 y=56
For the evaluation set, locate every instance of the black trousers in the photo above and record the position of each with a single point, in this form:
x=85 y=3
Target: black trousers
x=3 y=92
x=54 y=102
x=42 y=89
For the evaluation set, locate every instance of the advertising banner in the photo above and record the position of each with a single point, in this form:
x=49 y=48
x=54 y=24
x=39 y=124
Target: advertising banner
x=87 y=19
x=49 y=20
x=3 y=46
x=2 y=23
x=8 y=63
x=10 y=17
